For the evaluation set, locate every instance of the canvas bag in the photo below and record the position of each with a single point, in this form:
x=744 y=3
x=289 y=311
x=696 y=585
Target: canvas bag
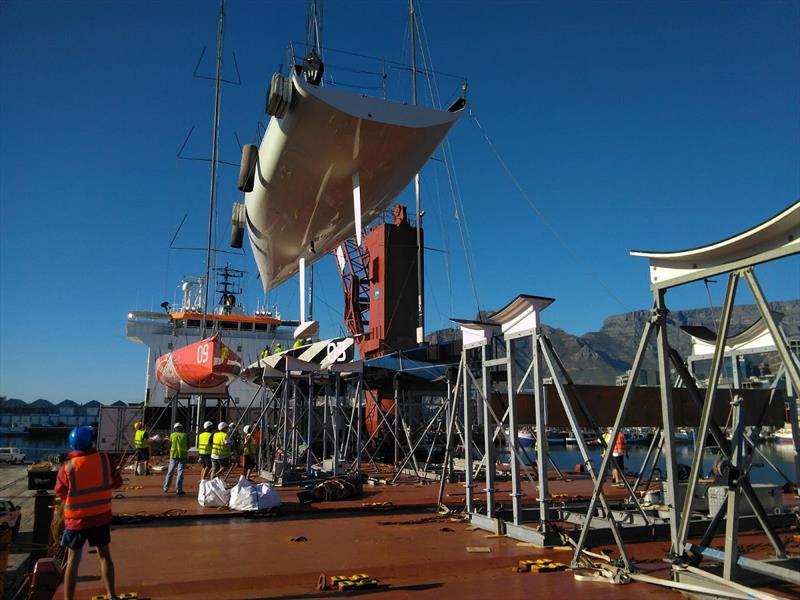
x=213 y=493
x=267 y=496
x=244 y=495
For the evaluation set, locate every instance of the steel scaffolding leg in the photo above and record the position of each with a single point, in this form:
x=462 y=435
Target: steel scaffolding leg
x=727 y=451
x=708 y=405
x=732 y=518
x=489 y=454
x=541 y=435
x=573 y=421
x=516 y=489
x=469 y=486
x=650 y=328
x=667 y=420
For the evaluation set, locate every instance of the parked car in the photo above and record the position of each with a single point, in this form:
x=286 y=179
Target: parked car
x=11 y=515
x=9 y=454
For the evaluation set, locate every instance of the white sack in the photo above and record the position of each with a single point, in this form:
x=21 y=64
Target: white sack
x=213 y=493
x=244 y=495
x=267 y=496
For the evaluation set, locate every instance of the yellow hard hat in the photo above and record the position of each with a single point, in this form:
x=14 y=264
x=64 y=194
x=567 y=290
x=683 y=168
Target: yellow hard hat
x=137 y=425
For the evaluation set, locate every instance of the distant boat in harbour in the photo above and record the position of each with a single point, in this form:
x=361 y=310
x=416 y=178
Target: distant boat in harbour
x=783 y=435
x=638 y=435
x=590 y=438
x=527 y=439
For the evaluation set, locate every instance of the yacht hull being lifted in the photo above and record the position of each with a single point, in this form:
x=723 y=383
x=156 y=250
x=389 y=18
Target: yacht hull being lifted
x=204 y=366
x=332 y=162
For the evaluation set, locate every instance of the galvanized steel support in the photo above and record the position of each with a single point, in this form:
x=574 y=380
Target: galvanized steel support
x=513 y=425
x=651 y=327
x=708 y=404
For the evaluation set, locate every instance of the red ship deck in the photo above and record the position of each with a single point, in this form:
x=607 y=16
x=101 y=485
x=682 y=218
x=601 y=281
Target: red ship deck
x=215 y=553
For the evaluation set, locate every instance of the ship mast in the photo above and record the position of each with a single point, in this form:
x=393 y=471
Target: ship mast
x=420 y=288
x=212 y=192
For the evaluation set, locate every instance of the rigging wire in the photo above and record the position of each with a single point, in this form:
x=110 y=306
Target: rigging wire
x=553 y=231
x=734 y=365
x=445 y=242
x=400 y=65
x=455 y=193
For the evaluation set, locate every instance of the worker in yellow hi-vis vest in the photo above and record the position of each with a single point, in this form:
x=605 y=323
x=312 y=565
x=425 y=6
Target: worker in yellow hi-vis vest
x=204 y=446
x=220 y=450
x=178 y=451
x=141 y=445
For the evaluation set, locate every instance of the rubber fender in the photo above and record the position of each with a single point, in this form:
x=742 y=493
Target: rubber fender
x=288 y=88
x=238 y=218
x=280 y=96
x=247 y=168
x=237 y=236
x=272 y=94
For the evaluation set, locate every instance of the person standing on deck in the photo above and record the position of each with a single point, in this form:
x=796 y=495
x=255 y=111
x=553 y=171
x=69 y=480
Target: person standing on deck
x=84 y=483
x=204 y=446
x=619 y=452
x=178 y=450
x=142 y=448
x=235 y=444
x=249 y=451
x=220 y=450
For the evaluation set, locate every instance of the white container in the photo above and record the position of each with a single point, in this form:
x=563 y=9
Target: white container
x=700 y=502
x=770 y=496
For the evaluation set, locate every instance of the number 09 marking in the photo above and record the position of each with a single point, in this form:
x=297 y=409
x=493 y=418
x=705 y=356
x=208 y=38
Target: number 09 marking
x=202 y=354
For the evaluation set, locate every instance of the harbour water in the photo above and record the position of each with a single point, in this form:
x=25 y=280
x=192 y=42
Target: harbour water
x=780 y=455
x=566 y=457
x=37 y=447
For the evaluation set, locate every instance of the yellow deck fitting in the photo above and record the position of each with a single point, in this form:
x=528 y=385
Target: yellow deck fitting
x=359 y=580
x=538 y=565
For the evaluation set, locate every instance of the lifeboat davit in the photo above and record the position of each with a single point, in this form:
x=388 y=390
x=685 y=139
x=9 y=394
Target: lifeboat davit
x=207 y=365
x=329 y=161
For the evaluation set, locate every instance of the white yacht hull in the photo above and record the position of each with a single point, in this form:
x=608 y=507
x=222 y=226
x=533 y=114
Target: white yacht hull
x=310 y=161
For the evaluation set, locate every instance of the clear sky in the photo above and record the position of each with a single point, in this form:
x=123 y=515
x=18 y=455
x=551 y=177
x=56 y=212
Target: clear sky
x=647 y=125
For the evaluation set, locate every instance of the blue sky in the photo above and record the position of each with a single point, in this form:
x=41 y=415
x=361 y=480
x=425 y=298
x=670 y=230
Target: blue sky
x=647 y=125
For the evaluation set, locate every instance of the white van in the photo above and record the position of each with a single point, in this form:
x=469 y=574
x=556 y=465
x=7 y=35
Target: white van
x=11 y=455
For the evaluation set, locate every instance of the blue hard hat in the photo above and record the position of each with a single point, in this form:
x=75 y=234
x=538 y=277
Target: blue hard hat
x=81 y=438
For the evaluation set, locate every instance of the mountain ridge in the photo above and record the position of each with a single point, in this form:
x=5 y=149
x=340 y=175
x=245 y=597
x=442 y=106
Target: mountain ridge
x=599 y=356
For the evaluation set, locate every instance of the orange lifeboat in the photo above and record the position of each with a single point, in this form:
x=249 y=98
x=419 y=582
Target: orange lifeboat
x=205 y=365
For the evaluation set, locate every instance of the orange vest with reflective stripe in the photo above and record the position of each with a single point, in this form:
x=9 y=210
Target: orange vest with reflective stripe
x=89 y=492
x=619 y=445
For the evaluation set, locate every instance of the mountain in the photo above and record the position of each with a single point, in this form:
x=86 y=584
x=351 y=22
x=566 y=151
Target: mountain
x=599 y=356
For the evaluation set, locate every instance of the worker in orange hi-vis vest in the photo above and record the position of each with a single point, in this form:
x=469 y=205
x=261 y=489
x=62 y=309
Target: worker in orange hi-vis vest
x=84 y=484
x=619 y=452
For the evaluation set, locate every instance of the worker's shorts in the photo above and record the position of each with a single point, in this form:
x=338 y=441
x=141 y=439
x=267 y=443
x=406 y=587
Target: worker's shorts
x=205 y=460
x=620 y=461
x=221 y=463
x=96 y=536
x=249 y=461
x=142 y=454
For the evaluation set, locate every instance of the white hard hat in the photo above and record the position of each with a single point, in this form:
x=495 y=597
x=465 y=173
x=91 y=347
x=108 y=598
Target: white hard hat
x=207 y=424
x=247 y=428
x=232 y=424
x=222 y=426
x=178 y=426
